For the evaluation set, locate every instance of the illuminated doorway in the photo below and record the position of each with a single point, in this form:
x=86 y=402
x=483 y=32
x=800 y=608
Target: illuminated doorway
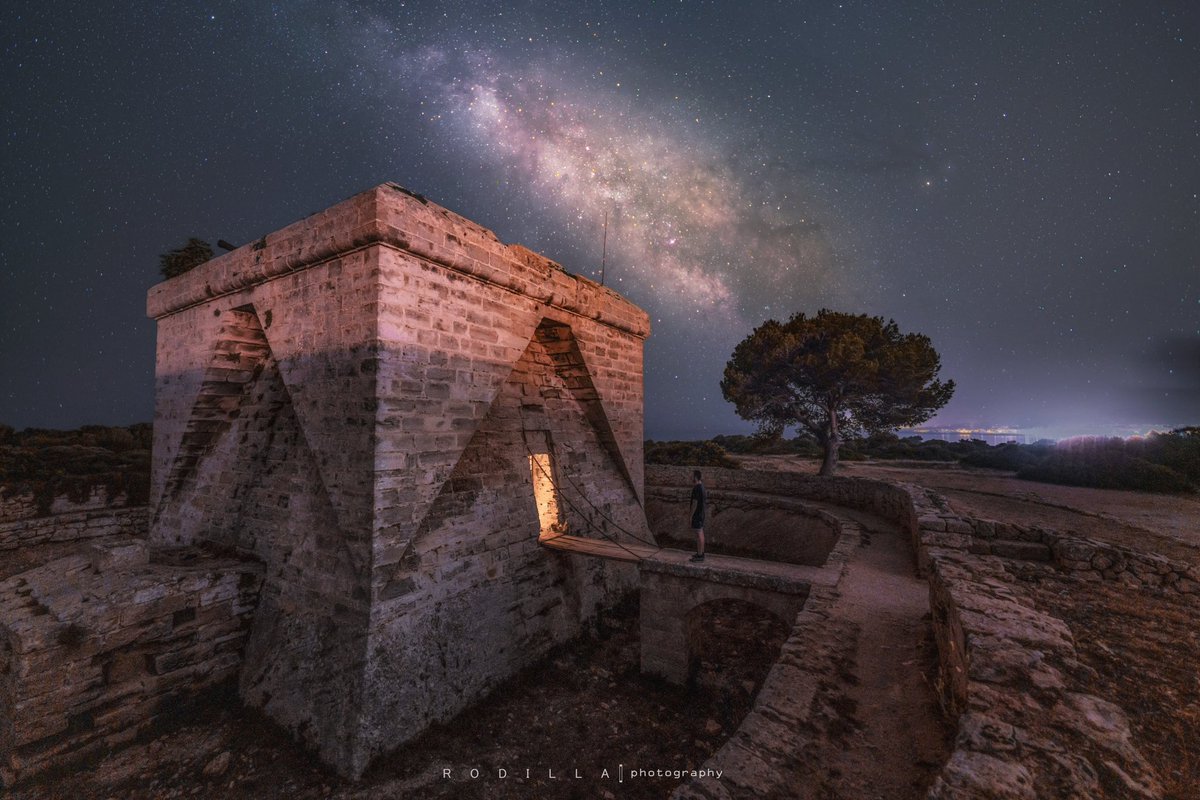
x=545 y=492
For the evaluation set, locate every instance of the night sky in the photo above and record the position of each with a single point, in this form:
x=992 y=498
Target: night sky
x=1019 y=181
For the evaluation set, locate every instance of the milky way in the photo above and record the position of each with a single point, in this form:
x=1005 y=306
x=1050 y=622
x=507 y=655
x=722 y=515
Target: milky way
x=1020 y=182
x=689 y=235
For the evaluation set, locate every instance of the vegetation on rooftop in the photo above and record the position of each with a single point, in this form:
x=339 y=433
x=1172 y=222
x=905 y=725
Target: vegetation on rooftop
x=182 y=259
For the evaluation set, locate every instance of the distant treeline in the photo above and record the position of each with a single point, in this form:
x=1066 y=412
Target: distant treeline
x=1160 y=462
x=49 y=463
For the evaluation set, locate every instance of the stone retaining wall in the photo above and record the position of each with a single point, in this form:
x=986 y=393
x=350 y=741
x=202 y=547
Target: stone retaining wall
x=1008 y=671
x=1088 y=559
x=24 y=505
x=1010 y=674
x=95 y=647
x=70 y=527
x=891 y=501
x=765 y=755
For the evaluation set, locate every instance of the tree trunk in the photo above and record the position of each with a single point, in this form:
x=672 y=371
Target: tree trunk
x=831 y=444
x=830 y=461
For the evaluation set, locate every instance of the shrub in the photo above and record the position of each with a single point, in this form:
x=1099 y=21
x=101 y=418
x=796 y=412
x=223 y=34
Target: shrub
x=688 y=454
x=182 y=259
x=1111 y=471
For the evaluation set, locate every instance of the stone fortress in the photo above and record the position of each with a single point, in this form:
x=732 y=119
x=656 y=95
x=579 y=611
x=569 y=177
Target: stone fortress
x=396 y=460
x=368 y=401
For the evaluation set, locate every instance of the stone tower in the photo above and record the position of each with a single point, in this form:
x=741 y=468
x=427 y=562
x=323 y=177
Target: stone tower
x=388 y=407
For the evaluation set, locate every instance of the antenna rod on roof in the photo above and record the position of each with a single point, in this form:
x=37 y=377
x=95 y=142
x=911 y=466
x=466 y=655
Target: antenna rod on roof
x=604 y=248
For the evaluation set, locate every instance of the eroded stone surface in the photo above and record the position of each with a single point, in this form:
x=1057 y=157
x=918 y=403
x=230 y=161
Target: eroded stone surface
x=95 y=646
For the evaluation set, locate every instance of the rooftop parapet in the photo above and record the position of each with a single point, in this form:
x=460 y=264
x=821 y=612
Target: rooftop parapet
x=391 y=216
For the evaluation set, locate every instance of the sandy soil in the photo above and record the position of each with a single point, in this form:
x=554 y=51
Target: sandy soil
x=1159 y=523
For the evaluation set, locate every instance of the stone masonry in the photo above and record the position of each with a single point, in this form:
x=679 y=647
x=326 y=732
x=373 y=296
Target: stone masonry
x=23 y=525
x=1009 y=673
x=96 y=646
x=370 y=401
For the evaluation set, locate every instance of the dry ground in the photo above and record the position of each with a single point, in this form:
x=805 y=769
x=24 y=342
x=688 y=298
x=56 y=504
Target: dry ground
x=1144 y=647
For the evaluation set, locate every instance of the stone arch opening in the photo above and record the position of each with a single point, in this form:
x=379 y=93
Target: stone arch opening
x=731 y=644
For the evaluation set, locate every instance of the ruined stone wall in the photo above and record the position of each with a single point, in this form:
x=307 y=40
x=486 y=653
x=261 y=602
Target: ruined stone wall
x=24 y=505
x=71 y=527
x=23 y=524
x=354 y=399
x=95 y=647
x=1009 y=671
x=746 y=524
x=1088 y=559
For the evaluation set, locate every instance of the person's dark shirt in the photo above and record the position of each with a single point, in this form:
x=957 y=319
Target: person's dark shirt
x=699 y=501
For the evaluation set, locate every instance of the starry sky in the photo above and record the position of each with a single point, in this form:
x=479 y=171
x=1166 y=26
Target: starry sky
x=1019 y=181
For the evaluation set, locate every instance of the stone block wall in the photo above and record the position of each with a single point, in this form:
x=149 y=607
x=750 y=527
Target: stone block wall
x=71 y=527
x=1008 y=671
x=23 y=505
x=22 y=523
x=891 y=501
x=1087 y=559
x=746 y=524
x=355 y=399
x=95 y=647
x=671 y=595
x=1005 y=673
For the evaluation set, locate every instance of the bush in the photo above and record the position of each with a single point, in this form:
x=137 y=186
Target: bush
x=688 y=454
x=1013 y=457
x=1112 y=472
x=186 y=258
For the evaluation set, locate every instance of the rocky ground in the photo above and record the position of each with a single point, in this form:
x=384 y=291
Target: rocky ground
x=585 y=708
x=1143 y=647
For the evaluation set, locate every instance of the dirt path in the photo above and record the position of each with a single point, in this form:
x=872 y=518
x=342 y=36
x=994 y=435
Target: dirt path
x=900 y=735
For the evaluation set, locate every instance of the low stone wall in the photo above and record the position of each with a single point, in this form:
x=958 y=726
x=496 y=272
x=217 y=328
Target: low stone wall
x=745 y=524
x=74 y=526
x=891 y=501
x=765 y=755
x=1008 y=671
x=1088 y=559
x=24 y=505
x=95 y=647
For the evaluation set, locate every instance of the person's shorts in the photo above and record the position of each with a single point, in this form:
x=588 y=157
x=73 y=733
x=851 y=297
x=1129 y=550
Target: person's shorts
x=697 y=524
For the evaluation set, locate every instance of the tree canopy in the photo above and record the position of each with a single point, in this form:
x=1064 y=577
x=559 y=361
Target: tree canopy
x=834 y=375
x=182 y=259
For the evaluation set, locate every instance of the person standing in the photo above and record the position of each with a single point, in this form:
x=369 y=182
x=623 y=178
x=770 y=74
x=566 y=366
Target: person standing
x=699 y=505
